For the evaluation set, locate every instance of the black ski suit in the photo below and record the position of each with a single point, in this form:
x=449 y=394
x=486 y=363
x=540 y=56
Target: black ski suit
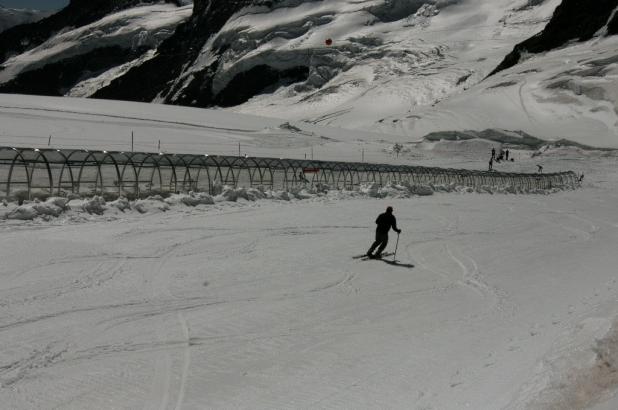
x=385 y=221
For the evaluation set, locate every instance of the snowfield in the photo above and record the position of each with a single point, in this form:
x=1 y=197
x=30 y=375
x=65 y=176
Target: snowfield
x=511 y=304
x=258 y=299
x=253 y=300
x=409 y=69
x=402 y=68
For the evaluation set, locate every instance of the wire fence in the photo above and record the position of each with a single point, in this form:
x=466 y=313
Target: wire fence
x=27 y=173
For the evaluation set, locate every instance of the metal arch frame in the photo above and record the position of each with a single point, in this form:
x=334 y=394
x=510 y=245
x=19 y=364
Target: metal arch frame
x=130 y=171
x=268 y=167
x=237 y=174
x=289 y=166
x=187 y=178
x=129 y=163
x=151 y=158
x=226 y=160
x=65 y=167
x=82 y=166
x=47 y=168
x=245 y=166
x=257 y=170
x=172 y=166
x=218 y=177
x=18 y=154
x=341 y=170
x=202 y=166
x=119 y=184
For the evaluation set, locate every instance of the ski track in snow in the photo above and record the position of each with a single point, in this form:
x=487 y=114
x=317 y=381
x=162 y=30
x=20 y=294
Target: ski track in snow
x=126 y=117
x=241 y=295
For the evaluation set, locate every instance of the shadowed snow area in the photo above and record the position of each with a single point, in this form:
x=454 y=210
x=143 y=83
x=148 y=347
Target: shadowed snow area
x=139 y=28
x=13 y=17
x=251 y=299
x=387 y=59
x=419 y=69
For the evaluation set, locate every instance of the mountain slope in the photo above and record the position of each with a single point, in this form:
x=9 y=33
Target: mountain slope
x=404 y=68
x=77 y=14
x=573 y=20
x=156 y=76
x=211 y=59
x=14 y=17
x=82 y=57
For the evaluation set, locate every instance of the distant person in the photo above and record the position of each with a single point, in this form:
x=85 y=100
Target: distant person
x=506 y=154
x=385 y=222
x=491 y=164
x=539 y=169
x=302 y=177
x=493 y=153
x=581 y=177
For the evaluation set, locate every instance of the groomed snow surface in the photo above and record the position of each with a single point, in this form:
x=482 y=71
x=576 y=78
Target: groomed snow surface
x=239 y=302
x=259 y=305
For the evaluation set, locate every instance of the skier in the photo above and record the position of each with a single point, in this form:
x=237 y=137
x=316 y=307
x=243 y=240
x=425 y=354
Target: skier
x=491 y=164
x=493 y=153
x=506 y=155
x=302 y=177
x=385 y=221
x=540 y=169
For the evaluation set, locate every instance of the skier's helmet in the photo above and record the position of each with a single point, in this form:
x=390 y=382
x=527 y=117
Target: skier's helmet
x=389 y=209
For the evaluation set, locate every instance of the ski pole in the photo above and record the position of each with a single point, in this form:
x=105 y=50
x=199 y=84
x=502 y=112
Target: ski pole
x=396 y=246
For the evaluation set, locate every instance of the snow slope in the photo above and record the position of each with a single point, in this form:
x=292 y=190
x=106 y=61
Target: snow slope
x=426 y=73
x=144 y=26
x=379 y=70
x=29 y=121
x=13 y=17
x=399 y=68
x=511 y=302
x=568 y=93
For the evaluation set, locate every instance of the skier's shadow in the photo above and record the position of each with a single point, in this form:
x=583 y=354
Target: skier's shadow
x=402 y=265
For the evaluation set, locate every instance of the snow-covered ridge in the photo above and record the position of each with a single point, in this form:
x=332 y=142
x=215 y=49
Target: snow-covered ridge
x=374 y=44
x=405 y=68
x=14 y=17
x=568 y=93
x=139 y=27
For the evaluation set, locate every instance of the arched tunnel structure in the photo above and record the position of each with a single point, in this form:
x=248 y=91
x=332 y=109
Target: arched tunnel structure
x=31 y=172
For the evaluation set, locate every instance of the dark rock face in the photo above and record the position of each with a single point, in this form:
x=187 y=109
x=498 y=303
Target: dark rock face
x=258 y=80
x=78 y=13
x=612 y=27
x=156 y=76
x=57 y=79
x=576 y=20
x=14 y=17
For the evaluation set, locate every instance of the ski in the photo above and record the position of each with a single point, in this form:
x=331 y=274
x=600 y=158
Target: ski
x=384 y=255
x=364 y=256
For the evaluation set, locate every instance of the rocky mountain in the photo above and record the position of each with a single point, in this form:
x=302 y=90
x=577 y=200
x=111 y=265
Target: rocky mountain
x=14 y=17
x=574 y=20
x=82 y=41
x=77 y=14
x=232 y=51
x=158 y=76
x=392 y=66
